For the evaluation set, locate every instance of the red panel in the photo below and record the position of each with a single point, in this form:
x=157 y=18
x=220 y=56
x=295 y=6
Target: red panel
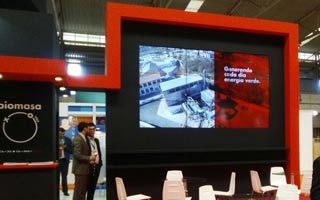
x=32 y=69
x=118 y=12
x=28 y=166
x=19 y=68
x=291 y=83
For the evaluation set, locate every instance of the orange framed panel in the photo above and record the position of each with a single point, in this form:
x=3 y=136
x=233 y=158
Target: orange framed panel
x=291 y=83
x=32 y=69
x=116 y=13
x=45 y=70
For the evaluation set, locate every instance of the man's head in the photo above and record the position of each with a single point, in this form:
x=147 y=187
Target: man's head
x=83 y=127
x=92 y=129
x=61 y=132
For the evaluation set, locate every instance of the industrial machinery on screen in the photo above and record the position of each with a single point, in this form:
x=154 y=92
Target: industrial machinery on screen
x=189 y=88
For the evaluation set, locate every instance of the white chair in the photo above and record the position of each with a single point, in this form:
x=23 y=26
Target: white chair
x=306 y=184
x=206 y=193
x=174 y=175
x=177 y=175
x=122 y=194
x=277 y=176
x=256 y=185
x=174 y=190
x=287 y=192
x=232 y=187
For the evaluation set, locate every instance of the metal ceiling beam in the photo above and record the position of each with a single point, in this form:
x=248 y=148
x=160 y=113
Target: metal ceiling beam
x=235 y=7
x=267 y=8
x=56 y=19
x=309 y=14
x=168 y=3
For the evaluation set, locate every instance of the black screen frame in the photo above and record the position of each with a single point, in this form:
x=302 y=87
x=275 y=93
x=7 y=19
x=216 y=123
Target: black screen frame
x=125 y=135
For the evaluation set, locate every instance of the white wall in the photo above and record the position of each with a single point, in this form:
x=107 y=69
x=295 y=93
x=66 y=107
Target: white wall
x=306 y=140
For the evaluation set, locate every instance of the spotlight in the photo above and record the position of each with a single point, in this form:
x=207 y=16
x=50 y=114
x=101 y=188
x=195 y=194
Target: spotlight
x=74 y=69
x=314 y=113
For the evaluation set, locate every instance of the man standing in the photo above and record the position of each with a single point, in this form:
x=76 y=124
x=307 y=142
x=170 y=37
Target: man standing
x=65 y=149
x=315 y=186
x=95 y=166
x=81 y=161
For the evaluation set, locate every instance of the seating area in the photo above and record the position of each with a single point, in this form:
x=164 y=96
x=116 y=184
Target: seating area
x=175 y=188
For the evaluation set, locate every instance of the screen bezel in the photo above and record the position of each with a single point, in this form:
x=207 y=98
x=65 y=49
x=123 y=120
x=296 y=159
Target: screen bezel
x=118 y=13
x=181 y=139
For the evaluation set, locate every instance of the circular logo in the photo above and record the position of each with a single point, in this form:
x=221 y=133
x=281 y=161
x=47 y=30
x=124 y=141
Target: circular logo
x=20 y=127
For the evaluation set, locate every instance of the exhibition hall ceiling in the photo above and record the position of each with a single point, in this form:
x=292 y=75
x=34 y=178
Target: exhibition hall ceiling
x=88 y=17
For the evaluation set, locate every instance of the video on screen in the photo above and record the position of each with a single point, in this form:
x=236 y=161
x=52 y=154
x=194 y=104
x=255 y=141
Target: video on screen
x=194 y=88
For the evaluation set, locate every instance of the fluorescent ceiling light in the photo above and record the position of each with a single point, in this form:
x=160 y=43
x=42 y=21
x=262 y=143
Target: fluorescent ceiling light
x=84 y=39
x=194 y=5
x=58 y=78
x=310 y=36
x=306 y=56
x=308 y=40
x=62 y=88
x=72 y=60
x=74 y=69
x=314 y=113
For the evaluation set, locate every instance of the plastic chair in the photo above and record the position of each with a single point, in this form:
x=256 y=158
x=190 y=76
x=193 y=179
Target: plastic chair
x=177 y=175
x=206 y=193
x=174 y=175
x=277 y=176
x=287 y=192
x=256 y=185
x=232 y=187
x=122 y=194
x=173 y=190
x=306 y=184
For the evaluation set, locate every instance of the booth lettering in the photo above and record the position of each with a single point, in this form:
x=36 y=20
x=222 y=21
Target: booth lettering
x=19 y=106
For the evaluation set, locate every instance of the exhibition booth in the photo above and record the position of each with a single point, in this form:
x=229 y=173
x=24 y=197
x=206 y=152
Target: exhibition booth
x=206 y=94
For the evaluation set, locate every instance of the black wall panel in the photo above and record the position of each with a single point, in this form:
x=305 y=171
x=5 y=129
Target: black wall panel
x=29 y=34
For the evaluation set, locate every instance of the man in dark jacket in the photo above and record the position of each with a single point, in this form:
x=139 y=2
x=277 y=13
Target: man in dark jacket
x=65 y=149
x=95 y=166
x=315 y=187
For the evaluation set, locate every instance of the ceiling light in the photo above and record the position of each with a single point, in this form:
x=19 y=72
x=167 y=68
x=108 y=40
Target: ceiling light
x=65 y=96
x=314 y=113
x=308 y=40
x=72 y=92
x=74 y=69
x=194 y=5
x=62 y=88
x=73 y=60
x=1 y=76
x=58 y=78
x=310 y=36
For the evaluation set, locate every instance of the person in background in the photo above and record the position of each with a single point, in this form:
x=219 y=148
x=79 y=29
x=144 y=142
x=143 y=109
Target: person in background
x=95 y=166
x=315 y=185
x=65 y=149
x=81 y=161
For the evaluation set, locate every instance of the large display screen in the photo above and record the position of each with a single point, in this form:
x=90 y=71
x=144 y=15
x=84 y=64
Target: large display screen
x=194 y=88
